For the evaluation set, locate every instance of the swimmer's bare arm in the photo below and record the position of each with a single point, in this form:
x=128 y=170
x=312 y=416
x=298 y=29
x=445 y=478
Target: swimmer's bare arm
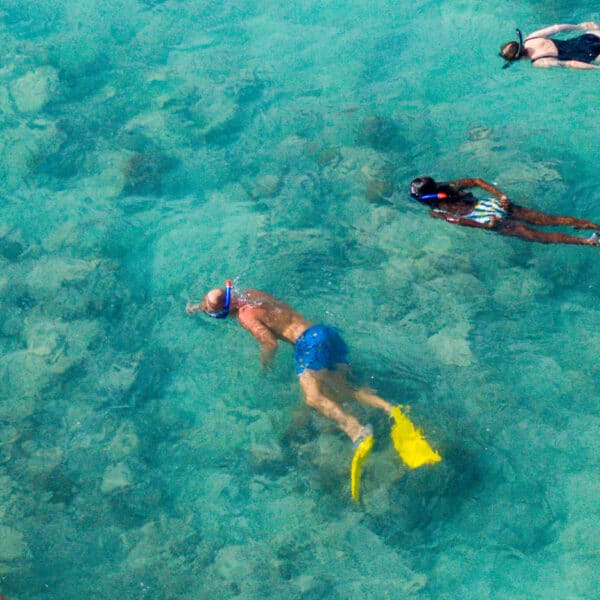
x=192 y=308
x=268 y=342
x=576 y=64
x=466 y=222
x=549 y=61
x=554 y=29
x=484 y=185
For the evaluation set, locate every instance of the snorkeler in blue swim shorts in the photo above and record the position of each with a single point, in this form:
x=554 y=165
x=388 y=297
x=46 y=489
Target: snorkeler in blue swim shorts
x=452 y=202
x=319 y=351
x=321 y=358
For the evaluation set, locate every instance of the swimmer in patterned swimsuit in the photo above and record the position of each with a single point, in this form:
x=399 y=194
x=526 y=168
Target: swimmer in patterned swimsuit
x=451 y=202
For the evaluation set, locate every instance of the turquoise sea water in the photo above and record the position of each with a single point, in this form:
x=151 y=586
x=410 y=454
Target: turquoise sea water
x=148 y=151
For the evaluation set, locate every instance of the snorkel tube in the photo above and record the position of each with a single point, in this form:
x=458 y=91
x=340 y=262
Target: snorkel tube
x=427 y=197
x=222 y=314
x=520 y=50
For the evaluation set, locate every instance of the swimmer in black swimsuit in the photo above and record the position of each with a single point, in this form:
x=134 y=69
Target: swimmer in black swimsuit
x=582 y=52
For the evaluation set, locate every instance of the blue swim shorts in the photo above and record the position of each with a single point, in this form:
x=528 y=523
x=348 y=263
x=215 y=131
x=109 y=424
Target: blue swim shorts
x=319 y=347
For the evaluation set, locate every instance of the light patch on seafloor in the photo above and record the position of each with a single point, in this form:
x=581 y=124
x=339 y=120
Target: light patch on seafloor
x=451 y=346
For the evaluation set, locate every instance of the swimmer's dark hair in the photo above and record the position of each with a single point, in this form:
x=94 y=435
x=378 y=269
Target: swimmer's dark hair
x=511 y=51
x=423 y=185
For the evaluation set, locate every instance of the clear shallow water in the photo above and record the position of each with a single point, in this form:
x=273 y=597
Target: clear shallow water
x=150 y=150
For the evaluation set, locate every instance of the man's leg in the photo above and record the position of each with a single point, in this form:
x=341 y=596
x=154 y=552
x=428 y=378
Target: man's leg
x=366 y=396
x=409 y=442
x=312 y=387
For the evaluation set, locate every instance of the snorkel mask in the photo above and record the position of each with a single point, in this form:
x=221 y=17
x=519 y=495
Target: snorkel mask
x=519 y=53
x=222 y=314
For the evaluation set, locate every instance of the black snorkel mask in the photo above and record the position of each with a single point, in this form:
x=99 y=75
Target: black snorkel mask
x=519 y=51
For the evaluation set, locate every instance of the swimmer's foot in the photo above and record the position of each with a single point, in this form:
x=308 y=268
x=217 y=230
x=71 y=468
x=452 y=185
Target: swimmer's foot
x=364 y=432
x=363 y=445
x=593 y=239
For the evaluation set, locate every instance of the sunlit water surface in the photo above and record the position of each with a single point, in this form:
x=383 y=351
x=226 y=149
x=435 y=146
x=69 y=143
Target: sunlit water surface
x=148 y=151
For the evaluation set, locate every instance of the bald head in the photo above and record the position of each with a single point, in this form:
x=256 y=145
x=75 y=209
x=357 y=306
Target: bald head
x=214 y=301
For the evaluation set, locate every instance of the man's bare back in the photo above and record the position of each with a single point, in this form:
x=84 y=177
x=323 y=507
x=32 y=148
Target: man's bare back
x=256 y=309
x=265 y=317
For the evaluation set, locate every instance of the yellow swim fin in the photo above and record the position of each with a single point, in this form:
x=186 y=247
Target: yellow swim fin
x=410 y=443
x=360 y=454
